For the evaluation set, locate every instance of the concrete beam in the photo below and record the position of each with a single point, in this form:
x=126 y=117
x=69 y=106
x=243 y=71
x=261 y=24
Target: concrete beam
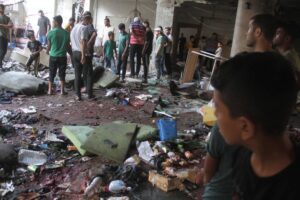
x=165 y=13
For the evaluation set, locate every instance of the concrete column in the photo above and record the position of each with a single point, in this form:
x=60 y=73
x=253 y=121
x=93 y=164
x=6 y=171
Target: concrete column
x=164 y=13
x=246 y=9
x=164 y=17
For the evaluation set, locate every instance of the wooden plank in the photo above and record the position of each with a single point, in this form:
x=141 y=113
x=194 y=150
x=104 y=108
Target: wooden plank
x=190 y=66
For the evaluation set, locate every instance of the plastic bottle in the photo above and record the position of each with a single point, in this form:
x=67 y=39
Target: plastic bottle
x=29 y=157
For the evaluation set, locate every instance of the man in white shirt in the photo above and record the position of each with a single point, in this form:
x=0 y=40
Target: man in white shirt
x=104 y=33
x=79 y=37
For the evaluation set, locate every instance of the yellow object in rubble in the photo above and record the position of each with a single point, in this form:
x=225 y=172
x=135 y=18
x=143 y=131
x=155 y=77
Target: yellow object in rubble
x=208 y=113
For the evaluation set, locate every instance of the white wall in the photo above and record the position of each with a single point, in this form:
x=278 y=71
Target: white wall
x=33 y=6
x=120 y=11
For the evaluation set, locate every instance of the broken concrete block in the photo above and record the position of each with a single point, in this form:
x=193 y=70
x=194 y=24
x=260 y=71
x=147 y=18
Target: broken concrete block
x=20 y=82
x=111 y=141
x=17 y=56
x=107 y=79
x=78 y=136
x=44 y=58
x=22 y=56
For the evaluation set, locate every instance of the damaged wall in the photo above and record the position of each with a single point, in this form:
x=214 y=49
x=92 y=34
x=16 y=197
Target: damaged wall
x=122 y=12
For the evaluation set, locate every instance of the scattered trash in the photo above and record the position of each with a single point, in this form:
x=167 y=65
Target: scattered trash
x=6 y=187
x=29 y=110
x=78 y=135
x=29 y=157
x=94 y=187
x=118 y=198
x=167 y=129
x=51 y=137
x=144 y=97
x=163 y=182
x=5 y=115
x=111 y=140
x=118 y=186
x=208 y=113
x=145 y=151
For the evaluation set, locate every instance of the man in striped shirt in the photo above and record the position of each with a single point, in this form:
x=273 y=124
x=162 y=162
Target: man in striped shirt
x=137 y=40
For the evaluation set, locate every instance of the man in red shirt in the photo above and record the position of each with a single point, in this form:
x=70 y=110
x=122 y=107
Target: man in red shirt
x=137 y=40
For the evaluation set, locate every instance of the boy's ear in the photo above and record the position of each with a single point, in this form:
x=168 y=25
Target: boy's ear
x=258 y=32
x=247 y=128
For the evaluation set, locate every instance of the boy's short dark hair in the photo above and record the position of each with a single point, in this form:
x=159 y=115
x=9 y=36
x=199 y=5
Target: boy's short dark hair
x=110 y=33
x=267 y=23
x=2 y=6
x=291 y=28
x=147 y=22
x=87 y=13
x=121 y=26
x=58 y=19
x=72 y=19
x=259 y=86
x=107 y=19
x=30 y=34
x=87 y=17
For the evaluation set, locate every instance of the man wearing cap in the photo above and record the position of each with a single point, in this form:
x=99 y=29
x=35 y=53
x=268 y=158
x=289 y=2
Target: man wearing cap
x=44 y=27
x=58 y=45
x=147 y=50
x=137 y=40
x=168 y=49
x=159 y=52
x=5 y=25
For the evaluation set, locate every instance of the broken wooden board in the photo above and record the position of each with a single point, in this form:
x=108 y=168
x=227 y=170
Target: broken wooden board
x=111 y=140
x=190 y=66
x=78 y=135
x=106 y=80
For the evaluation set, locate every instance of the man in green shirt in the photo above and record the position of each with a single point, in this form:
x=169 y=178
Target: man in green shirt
x=123 y=51
x=5 y=25
x=58 y=46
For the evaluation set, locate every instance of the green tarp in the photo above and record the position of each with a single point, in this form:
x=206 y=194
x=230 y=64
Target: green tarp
x=78 y=135
x=111 y=140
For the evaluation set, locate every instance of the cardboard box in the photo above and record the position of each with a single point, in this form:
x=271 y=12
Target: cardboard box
x=165 y=183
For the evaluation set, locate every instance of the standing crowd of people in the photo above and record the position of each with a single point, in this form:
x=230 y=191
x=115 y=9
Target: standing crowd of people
x=78 y=40
x=250 y=155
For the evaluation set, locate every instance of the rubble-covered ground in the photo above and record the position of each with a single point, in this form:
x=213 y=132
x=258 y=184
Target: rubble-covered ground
x=35 y=123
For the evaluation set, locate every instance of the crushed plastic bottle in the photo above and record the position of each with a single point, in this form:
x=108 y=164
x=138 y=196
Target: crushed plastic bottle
x=118 y=186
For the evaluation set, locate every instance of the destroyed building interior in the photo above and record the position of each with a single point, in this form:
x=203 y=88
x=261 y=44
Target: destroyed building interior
x=120 y=99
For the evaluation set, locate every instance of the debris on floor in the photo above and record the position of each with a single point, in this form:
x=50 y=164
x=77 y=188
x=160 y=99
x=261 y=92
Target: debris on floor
x=134 y=141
